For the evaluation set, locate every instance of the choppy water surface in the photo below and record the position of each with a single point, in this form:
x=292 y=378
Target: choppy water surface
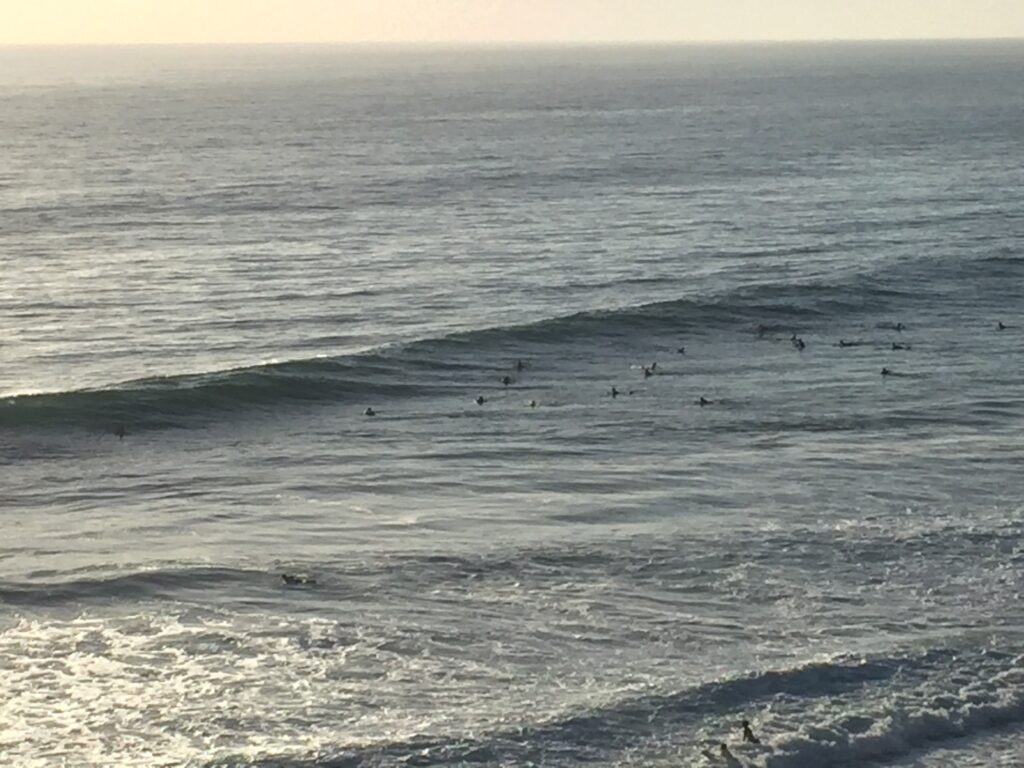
x=229 y=254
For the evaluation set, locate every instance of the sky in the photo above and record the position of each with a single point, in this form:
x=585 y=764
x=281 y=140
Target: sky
x=480 y=21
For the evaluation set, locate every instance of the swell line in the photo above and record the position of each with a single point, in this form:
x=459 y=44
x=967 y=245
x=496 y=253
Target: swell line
x=414 y=369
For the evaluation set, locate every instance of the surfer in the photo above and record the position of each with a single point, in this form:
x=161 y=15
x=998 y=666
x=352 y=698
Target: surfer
x=369 y=412
x=297 y=579
x=1001 y=326
x=480 y=400
x=896 y=346
x=703 y=401
x=748 y=735
x=648 y=372
x=681 y=350
x=506 y=380
x=886 y=372
x=120 y=431
x=520 y=365
x=614 y=392
x=533 y=403
x=899 y=327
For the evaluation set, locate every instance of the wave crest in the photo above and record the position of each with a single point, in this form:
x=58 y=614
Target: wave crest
x=426 y=366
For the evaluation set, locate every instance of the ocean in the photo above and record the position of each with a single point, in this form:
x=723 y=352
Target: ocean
x=635 y=473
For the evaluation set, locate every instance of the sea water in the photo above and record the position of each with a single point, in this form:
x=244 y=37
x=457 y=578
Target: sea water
x=214 y=260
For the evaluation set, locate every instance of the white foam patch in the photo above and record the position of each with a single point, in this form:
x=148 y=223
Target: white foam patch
x=168 y=690
x=155 y=691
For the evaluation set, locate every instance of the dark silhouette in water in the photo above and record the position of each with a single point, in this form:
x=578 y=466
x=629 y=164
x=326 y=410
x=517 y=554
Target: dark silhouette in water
x=724 y=753
x=297 y=579
x=899 y=327
x=844 y=343
x=520 y=365
x=703 y=401
x=369 y=412
x=886 y=372
x=748 y=735
x=681 y=350
x=480 y=400
x=1001 y=326
x=506 y=380
x=533 y=403
x=119 y=430
x=896 y=346
x=648 y=372
x=614 y=392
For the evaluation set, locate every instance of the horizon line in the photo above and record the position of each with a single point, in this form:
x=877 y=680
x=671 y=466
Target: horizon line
x=512 y=43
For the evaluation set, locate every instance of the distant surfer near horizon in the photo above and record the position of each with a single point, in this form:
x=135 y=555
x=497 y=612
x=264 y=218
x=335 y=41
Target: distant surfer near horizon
x=886 y=372
x=614 y=393
x=369 y=412
x=119 y=430
x=703 y=401
x=1001 y=326
x=520 y=365
x=506 y=380
x=480 y=400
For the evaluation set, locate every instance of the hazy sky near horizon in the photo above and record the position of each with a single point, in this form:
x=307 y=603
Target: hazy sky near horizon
x=198 y=21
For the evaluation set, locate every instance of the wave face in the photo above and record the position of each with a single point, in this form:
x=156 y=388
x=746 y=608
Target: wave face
x=446 y=365
x=178 y=401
